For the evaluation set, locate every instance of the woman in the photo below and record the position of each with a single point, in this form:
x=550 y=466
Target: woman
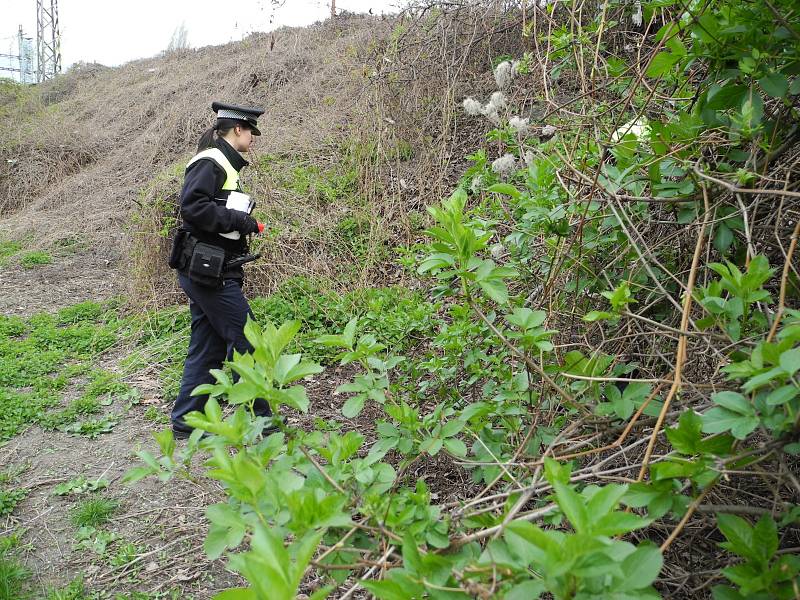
x=202 y=255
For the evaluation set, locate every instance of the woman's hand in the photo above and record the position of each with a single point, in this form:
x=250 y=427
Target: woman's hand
x=249 y=225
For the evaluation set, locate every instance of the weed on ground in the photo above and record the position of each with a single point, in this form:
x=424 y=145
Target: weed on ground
x=13 y=574
x=29 y=260
x=46 y=356
x=93 y=512
x=7 y=250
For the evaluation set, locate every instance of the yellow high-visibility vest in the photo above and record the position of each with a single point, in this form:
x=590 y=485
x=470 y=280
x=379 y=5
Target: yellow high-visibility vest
x=215 y=154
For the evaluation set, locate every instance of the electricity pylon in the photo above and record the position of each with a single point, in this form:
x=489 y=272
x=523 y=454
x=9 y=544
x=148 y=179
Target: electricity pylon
x=48 y=40
x=24 y=59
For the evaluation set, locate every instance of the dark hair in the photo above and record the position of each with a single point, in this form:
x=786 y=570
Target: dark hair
x=208 y=137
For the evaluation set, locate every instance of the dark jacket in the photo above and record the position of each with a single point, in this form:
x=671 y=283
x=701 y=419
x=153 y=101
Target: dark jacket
x=203 y=205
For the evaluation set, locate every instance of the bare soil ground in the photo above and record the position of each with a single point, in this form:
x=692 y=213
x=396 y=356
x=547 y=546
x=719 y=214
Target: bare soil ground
x=70 y=279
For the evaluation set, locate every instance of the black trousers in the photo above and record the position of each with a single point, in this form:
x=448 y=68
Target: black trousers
x=218 y=319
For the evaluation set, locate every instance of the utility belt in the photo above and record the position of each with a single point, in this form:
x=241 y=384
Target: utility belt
x=204 y=264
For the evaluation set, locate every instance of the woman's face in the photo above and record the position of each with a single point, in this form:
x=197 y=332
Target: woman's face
x=243 y=138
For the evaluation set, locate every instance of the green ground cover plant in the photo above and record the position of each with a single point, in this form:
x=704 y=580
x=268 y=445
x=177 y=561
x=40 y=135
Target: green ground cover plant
x=45 y=355
x=79 y=485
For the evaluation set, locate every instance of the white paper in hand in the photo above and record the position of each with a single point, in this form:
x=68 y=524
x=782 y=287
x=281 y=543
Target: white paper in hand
x=241 y=202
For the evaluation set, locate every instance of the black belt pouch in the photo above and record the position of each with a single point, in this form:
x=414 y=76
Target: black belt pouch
x=177 y=255
x=206 y=265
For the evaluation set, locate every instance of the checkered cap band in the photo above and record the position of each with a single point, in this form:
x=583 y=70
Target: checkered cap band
x=225 y=113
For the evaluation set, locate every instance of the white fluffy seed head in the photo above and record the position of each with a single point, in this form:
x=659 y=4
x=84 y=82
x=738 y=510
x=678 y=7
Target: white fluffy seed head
x=548 y=130
x=490 y=112
x=519 y=124
x=472 y=107
x=505 y=165
x=497 y=250
x=503 y=74
x=475 y=184
x=529 y=157
x=498 y=100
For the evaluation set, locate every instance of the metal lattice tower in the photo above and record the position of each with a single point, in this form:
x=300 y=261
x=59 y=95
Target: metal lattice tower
x=22 y=62
x=48 y=39
x=26 y=72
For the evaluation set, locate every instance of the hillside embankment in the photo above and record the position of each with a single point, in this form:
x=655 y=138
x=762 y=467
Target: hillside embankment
x=359 y=136
x=540 y=262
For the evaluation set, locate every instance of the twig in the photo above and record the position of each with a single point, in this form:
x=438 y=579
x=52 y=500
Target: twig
x=369 y=573
x=680 y=357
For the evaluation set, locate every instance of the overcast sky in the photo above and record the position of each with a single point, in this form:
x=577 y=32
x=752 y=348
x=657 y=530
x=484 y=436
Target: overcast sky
x=114 y=32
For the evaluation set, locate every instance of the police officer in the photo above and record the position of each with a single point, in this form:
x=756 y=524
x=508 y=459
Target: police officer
x=218 y=307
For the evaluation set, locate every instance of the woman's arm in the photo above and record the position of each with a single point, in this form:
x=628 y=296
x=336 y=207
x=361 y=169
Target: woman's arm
x=203 y=181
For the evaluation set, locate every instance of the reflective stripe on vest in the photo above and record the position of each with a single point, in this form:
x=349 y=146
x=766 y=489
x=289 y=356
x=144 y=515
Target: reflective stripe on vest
x=215 y=154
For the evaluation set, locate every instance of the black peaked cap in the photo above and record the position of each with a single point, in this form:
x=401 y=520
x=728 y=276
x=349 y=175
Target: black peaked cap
x=243 y=114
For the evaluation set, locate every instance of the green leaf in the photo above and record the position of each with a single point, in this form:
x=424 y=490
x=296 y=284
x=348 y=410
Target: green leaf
x=617 y=523
x=738 y=532
x=321 y=593
x=527 y=590
x=354 y=405
x=765 y=538
x=723 y=238
x=455 y=446
x=283 y=365
x=733 y=401
x=641 y=567
x=661 y=64
x=243 y=392
x=295 y=397
x=793 y=449
x=782 y=395
x=505 y=188
x=283 y=336
x=555 y=471
x=790 y=361
x=725 y=97
x=605 y=499
x=349 y=334
x=431 y=445
x=166 y=442
x=723 y=592
x=525 y=318
x=775 y=85
x=136 y=474
x=412 y=560
x=495 y=289
x=719 y=420
x=387 y=589
x=597 y=315
x=762 y=379
x=451 y=428
x=685 y=438
x=573 y=506
x=336 y=341
x=530 y=543
x=236 y=594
